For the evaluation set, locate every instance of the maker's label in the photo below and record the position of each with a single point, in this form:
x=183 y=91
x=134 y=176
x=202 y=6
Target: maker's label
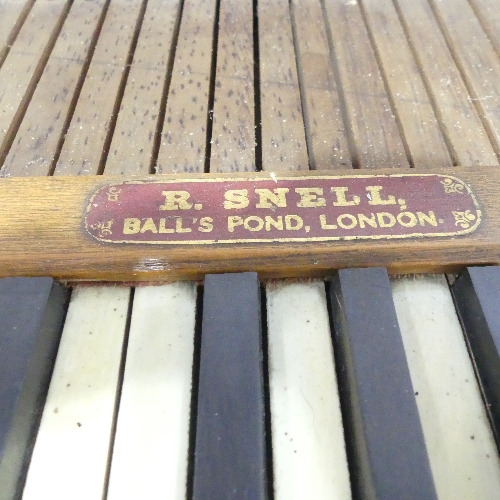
x=289 y=209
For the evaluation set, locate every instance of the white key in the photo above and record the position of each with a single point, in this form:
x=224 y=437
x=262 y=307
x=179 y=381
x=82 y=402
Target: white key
x=71 y=451
x=462 y=453
x=308 y=440
x=150 y=452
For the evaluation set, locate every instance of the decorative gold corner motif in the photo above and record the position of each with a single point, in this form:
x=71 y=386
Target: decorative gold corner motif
x=113 y=193
x=452 y=187
x=464 y=219
x=104 y=228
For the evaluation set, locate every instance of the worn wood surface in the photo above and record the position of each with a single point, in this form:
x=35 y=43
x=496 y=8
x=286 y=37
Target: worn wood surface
x=44 y=217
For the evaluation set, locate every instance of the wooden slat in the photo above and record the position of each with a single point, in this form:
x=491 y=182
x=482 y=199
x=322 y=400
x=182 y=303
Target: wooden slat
x=71 y=450
x=12 y=16
x=150 y=451
x=86 y=137
x=469 y=143
x=283 y=137
x=371 y=120
x=476 y=59
x=184 y=134
x=407 y=90
x=32 y=312
x=35 y=145
x=383 y=424
x=325 y=129
x=488 y=14
x=462 y=453
x=477 y=295
x=55 y=243
x=24 y=63
x=230 y=420
x=308 y=437
x=233 y=132
x=133 y=143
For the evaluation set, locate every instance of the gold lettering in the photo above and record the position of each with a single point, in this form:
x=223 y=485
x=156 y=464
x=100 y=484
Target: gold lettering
x=293 y=222
x=375 y=198
x=340 y=193
x=385 y=219
x=176 y=200
x=232 y=222
x=309 y=197
x=162 y=229
x=278 y=224
x=149 y=225
x=353 y=221
x=253 y=218
x=411 y=219
x=236 y=198
x=368 y=220
x=179 y=228
x=431 y=218
x=206 y=225
x=131 y=226
x=324 y=225
x=268 y=198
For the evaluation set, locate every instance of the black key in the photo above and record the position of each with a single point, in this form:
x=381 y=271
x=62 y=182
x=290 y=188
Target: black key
x=230 y=433
x=31 y=315
x=477 y=298
x=387 y=450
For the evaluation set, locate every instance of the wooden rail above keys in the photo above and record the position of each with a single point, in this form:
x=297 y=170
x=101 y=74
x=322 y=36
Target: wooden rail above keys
x=166 y=227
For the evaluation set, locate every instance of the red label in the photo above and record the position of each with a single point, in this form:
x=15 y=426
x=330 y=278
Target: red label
x=282 y=209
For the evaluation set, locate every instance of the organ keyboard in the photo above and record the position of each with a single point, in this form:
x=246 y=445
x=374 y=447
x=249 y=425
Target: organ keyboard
x=91 y=87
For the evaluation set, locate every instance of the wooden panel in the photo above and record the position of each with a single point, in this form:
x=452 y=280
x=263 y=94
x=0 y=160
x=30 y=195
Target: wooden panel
x=407 y=90
x=308 y=436
x=150 y=452
x=184 y=132
x=35 y=145
x=283 y=137
x=477 y=296
x=371 y=119
x=71 y=450
x=32 y=312
x=134 y=137
x=325 y=129
x=24 y=64
x=382 y=424
x=233 y=132
x=467 y=139
x=230 y=420
x=12 y=15
x=462 y=453
x=68 y=251
x=476 y=59
x=86 y=137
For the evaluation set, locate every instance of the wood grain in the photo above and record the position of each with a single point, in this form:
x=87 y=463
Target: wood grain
x=55 y=243
x=407 y=90
x=476 y=59
x=283 y=136
x=24 y=63
x=184 y=131
x=133 y=142
x=12 y=16
x=35 y=145
x=87 y=134
x=375 y=133
x=323 y=120
x=233 y=132
x=461 y=124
